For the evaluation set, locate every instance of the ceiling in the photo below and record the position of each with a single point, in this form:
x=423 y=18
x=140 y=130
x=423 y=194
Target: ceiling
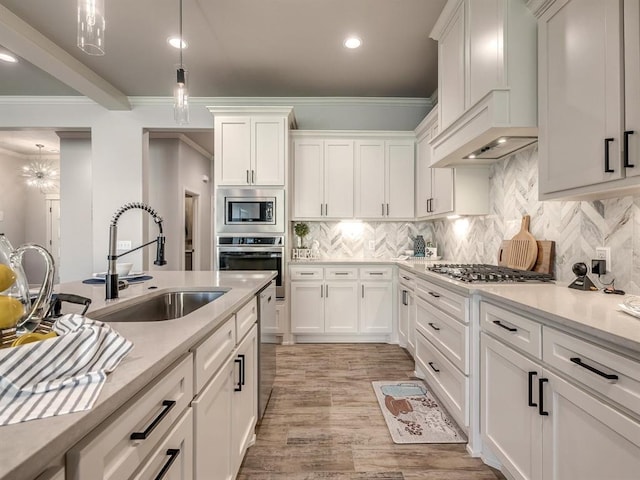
x=253 y=48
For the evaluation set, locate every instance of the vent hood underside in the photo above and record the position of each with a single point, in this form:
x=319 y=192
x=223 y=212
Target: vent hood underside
x=501 y=148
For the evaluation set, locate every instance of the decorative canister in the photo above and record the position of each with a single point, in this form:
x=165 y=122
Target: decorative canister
x=419 y=246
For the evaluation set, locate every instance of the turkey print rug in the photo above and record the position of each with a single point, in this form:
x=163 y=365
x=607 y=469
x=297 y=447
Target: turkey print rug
x=413 y=415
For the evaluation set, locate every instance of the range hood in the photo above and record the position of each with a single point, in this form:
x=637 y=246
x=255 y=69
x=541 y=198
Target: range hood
x=489 y=131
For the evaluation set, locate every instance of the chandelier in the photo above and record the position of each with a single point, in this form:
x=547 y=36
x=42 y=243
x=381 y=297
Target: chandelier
x=40 y=173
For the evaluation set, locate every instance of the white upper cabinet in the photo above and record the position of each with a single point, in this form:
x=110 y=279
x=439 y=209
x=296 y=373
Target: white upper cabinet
x=486 y=80
x=323 y=178
x=250 y=145
x=384 y=186
x=589 y=149
x=446 y=191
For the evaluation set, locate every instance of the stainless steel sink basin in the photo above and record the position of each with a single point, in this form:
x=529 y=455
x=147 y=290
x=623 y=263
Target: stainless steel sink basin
x=164 y=306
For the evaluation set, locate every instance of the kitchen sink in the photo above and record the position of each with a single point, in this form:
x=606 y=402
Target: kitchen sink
x=160 y=307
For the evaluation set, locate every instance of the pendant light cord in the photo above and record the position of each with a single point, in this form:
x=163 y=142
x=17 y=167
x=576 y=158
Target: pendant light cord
x=181 y=39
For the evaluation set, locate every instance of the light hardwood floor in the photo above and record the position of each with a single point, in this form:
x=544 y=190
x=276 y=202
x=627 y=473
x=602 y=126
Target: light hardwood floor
x=323 y=422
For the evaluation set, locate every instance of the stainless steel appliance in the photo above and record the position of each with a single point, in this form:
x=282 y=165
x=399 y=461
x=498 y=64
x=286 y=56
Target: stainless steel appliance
x=482 y=273
x=253 y=253
x=266 y=347
x=252 y=211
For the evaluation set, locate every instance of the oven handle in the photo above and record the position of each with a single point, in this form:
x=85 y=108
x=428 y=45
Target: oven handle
x=250 y=249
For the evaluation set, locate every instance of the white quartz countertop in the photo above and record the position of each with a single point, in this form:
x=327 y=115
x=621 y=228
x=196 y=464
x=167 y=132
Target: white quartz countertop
x=28 y=447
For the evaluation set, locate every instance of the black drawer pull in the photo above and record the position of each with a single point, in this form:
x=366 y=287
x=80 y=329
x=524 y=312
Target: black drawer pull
x=434 y=294
x=238 y=387
x=376 y=273
x=608 y=376
x=607 y=168
x=434 y=327
x=626 y=149
x=433 y=368
x=307 y=273
x=541 y=382
x=531 y=402
x=342 y=273
x=406 y=278
x=167 y=405
x=404 y=298
x=173 y=454
x=500 y=324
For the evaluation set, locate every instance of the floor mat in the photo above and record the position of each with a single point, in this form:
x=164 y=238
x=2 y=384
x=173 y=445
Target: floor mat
x=413 y=415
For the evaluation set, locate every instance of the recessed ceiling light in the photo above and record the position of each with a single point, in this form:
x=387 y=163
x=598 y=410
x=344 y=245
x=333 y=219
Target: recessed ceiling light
x=175 y=42
x=6 y=57
x=502 y=140
x=471 y=156
x=352 y=42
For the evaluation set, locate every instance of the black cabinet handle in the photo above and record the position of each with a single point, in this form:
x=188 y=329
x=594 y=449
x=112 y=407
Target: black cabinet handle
x=404 y=297
x=500 y=324
x=607 y=168
x=433 y=294
x=242 y=371
x=248 y=176
x=433 y=368
x=608 y=376
x=541 y=382
x=173 y=454
x=238 y=387
x=167 y=405
x=253 y=176
x=531 y=402
x=434 y=327
x=626 y=148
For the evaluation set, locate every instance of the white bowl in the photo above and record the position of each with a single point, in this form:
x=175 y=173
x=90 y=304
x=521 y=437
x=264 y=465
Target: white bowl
x=123 y=269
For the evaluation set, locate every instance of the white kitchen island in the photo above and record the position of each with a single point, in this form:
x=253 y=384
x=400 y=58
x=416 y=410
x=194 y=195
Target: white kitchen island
x=29 y=448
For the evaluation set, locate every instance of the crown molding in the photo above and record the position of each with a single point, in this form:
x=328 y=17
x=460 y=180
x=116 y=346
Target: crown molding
x=45 y=100
x=444 y=19
x=290 y=101
x=538 y=7
x=386 y=134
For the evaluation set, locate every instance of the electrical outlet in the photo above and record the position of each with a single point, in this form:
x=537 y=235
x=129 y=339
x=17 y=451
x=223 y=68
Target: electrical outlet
x=604 y=253
x=123 y=245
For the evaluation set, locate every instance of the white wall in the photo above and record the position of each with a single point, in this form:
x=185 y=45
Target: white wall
x=12 y=205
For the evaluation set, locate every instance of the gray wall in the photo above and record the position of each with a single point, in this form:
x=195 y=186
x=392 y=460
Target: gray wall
x=12 y=192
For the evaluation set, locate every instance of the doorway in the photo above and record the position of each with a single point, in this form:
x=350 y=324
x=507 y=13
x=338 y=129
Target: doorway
x=53 y=231
x=191 y=231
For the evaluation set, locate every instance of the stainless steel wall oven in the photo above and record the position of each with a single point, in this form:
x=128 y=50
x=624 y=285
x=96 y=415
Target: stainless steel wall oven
x=253 y=253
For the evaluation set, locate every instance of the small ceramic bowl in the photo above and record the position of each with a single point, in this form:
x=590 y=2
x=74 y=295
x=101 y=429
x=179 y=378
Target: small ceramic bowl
x=123 y=269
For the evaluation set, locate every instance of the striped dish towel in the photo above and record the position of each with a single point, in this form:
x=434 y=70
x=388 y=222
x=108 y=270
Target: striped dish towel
x=61 y=375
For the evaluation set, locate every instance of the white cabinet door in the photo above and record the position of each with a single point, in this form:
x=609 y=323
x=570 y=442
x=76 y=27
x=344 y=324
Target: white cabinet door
x=507 y=381
x=370 y=179
x=232 y=137
x=585 y=438
x=341 y=307
x=632 y=85
x=338 y=178
x=423 y=177
x=267 y=150
x=212 y=426
x=376 y=311
x=451 y=70
x=400 y=179
x=308 y=169
x=579 y=44
x=244 y=406
x=403 y=315
x=486 y=34
x=307 y=307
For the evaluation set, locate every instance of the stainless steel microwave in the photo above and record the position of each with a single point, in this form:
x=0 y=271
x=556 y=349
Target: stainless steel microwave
x=250 y=210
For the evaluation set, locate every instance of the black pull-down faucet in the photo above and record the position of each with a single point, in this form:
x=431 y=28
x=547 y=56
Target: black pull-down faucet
x=111 y=281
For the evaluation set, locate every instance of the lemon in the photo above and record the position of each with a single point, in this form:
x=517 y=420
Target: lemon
x=7 y=277
x=11 y=311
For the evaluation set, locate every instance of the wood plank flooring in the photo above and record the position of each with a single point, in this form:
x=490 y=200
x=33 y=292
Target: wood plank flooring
x=323 y=422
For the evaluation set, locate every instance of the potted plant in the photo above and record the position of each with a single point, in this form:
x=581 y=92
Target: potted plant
x=301 y=230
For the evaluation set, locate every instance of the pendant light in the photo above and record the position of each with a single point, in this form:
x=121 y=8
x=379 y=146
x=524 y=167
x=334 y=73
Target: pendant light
x=91 y=26
x=180 y=92
x=40 y=173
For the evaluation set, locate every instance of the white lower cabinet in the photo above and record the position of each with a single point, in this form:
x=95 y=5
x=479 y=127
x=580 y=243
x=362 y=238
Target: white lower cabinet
x=541 y=425
x=307 y=307
x=341 y=307
x=376 y=307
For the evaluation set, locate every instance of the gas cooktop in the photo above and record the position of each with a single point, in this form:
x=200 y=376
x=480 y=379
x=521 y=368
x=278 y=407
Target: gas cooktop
x=482 y=273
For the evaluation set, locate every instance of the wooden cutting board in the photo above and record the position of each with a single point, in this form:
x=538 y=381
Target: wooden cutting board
x=544 y=262
x=523 y=250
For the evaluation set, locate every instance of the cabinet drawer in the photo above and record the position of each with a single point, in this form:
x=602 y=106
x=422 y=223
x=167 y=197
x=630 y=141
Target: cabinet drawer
x=447 y=301
x=173 y=457
x=245 y=318
x=512 y=328
x=407 y=280
x=109 y=453
x=589 y=364
x=306 y=273
x=450 y=386
x=376 y=273
x=212 y=353
x=340 y=273
x=450 y=336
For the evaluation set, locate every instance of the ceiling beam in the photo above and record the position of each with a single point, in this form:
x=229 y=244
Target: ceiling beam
x=25 y=41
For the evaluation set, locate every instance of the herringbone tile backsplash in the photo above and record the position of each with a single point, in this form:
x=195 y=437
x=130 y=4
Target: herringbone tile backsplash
x=576 y=227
